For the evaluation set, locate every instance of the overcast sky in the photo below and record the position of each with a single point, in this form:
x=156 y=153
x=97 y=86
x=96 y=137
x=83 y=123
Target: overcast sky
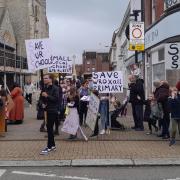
x=78 y=25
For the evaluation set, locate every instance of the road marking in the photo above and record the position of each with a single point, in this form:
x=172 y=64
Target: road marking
x=51 y=175
x=173 y=179
x=2 y=171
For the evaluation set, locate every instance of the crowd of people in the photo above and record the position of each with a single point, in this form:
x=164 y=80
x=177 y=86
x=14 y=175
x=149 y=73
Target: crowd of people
x=162 y=108
x=66 y=99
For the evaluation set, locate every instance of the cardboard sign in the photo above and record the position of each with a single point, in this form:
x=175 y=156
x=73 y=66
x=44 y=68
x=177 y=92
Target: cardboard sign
x=38 y=54
x=172 y=56
x=108 y=82
x=61 y=64
x=92 y=113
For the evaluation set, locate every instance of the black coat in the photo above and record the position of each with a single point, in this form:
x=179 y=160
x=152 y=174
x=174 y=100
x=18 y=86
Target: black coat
x=137 y=89
x=147 y=110
x=52 y=101
x=161 y=93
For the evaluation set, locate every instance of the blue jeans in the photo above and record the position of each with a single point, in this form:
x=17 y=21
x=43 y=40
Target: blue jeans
x=104 y=112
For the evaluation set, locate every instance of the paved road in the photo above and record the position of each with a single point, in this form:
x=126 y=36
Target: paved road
x=107 y=173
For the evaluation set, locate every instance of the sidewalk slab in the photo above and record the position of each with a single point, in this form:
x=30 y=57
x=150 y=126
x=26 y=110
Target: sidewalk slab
x=101 y=162
x=43 y=163
x=157 y=162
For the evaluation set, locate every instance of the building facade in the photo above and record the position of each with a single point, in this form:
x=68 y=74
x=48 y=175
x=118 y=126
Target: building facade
x=162 y=27
x=95 y=62
x=120 y=57
x=21 y=20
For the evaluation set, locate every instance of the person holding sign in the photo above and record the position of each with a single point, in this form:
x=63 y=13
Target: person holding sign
x=83 y=93
x=50 y=96
x=71 y=123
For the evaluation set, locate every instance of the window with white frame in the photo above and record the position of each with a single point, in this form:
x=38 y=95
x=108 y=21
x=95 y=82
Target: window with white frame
x=159 y=71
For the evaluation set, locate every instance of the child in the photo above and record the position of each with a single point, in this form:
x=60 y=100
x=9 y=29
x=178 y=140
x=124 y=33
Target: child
x=152 y=113
x=174 y=104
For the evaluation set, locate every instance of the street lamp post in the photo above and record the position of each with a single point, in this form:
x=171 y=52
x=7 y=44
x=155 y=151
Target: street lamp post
x=4 y=62
x=74 y=68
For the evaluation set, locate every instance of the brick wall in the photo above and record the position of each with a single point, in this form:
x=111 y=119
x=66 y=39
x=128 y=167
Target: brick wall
x=159 y=8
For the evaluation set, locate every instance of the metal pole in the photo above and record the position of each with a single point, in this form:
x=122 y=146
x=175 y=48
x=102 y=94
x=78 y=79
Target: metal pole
x=4 y=48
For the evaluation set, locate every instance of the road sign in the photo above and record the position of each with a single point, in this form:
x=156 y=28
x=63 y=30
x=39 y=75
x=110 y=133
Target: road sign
x=136 y=36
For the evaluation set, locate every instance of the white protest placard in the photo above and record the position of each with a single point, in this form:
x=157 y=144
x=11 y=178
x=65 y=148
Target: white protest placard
x=108 y=82
x=92 y=111
x=61 y=64
x=172 y=56
x=38 y=54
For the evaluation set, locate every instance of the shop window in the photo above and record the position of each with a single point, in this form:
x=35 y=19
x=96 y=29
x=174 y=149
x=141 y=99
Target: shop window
x=161 y=54
x=159 y=71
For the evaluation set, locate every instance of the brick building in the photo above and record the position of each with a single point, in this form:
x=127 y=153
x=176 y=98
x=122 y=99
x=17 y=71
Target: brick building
x=162 y=27
x=79 y=70
x=20 y=20
x=95 y=62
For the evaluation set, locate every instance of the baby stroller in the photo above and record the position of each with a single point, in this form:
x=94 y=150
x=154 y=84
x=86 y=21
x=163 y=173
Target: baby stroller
x=119 y=111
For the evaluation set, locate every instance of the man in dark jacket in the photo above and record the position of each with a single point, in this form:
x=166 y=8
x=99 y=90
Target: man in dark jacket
x=50 y=97
x=137 y=98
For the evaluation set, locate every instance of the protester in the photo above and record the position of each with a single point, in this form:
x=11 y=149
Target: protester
x=161 y=94
x=174 y=104
x=50 y=96
x=104 y=113
x=29 y=89
x=137 y=99
x=83 y=91
x=152 y=113
x=16 y=115
x=72 y=116
x=57 y=121
x=3 y=100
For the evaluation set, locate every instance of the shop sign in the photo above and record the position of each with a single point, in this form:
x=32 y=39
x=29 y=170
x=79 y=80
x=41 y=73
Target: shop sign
x=172 y=56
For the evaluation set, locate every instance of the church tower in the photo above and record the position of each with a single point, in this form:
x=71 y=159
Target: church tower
x=2 y=3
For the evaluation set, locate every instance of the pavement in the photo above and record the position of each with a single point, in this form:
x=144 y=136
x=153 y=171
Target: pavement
x=22 y=144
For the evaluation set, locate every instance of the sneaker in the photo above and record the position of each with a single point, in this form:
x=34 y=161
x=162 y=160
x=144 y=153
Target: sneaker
x=172 y=142
x=45 y=151
x=53 y=148
x=108 y=131
x=102 y=132
x=148 y=133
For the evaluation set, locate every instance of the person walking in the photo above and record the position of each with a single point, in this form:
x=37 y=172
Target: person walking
x=29 y=89
x=50 y=97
